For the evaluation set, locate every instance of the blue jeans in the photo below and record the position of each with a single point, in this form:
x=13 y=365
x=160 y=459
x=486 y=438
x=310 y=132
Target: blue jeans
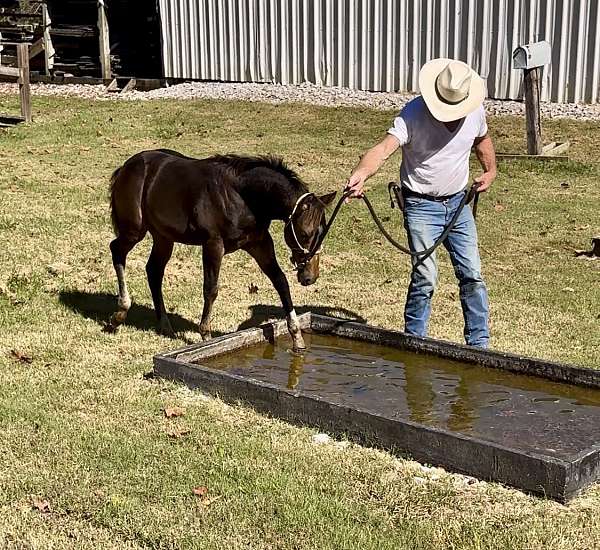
x=425 y=221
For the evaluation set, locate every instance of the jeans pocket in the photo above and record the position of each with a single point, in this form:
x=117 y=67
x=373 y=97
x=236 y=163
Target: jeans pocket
x=412 y=201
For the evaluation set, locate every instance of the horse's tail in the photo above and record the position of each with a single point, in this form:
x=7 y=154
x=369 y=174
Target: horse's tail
x=126 y=197
x=113 y=213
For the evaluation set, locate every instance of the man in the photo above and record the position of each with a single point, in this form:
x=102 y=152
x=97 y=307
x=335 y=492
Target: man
x=436 y=132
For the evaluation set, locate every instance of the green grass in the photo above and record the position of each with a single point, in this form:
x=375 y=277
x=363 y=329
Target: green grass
x=82 y=428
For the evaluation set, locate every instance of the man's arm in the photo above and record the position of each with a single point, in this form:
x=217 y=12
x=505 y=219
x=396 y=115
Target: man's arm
x=369 y=163
x=484 y=149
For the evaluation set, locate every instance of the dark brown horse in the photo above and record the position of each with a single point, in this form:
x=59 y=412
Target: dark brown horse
x=222 y=203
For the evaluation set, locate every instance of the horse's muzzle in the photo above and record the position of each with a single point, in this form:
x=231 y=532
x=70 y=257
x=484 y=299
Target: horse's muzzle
x=306 y=279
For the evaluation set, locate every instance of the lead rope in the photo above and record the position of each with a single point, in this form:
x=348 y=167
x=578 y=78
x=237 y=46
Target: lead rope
x=421 y=255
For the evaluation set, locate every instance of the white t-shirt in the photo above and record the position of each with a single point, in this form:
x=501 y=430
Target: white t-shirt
x=435 y=161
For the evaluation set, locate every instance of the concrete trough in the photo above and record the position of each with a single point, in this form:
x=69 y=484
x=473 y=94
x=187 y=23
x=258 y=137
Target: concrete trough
x=558 y=473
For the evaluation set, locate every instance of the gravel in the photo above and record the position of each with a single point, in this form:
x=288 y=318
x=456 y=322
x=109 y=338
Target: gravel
x=304 y=93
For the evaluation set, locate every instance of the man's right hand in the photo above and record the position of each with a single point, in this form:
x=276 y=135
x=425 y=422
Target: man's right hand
x=355 y=184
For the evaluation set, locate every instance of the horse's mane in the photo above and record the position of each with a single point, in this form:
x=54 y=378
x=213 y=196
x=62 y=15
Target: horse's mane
x=239 y=164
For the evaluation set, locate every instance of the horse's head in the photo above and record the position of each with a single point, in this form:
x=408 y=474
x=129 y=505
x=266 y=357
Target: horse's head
x=303 y=232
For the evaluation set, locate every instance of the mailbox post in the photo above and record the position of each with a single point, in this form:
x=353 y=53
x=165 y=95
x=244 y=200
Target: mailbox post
x=530 y=58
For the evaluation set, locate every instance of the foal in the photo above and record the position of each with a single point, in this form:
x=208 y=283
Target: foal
x=222 y=203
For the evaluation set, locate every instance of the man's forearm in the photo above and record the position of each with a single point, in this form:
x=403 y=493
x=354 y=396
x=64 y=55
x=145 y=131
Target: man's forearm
x=370 y=162
x=486 y=155
x=374 y=158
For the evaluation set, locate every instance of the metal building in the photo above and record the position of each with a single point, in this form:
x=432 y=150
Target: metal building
x=381 y=44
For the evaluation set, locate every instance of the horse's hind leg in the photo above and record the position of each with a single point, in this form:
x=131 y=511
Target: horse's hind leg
x=155 y=269
x=212 y=256
x=119 y=249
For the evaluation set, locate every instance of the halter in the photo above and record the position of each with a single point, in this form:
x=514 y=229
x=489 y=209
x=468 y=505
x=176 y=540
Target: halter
x=290 y=221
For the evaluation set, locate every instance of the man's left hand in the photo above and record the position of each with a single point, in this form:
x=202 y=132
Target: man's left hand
x=484 y=181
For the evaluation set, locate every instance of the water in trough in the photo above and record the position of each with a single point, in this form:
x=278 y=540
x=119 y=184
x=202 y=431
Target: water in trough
x=522 y=412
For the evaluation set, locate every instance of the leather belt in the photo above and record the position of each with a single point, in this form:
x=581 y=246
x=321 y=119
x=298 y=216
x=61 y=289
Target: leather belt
x=408 y=193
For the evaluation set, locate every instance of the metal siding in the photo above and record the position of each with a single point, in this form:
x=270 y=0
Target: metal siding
x=380 y=45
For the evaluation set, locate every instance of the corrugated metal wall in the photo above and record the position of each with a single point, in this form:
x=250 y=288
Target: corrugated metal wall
x=381 y=44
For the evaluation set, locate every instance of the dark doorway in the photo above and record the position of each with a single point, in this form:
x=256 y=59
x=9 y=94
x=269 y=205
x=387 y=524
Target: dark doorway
x=134 y=30
x=135 y=37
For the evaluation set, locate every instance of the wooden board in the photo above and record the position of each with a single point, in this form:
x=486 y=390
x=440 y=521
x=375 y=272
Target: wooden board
x=12 y=72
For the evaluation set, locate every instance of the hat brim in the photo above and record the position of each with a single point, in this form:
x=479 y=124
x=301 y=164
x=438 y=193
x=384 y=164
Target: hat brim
x=442 y=111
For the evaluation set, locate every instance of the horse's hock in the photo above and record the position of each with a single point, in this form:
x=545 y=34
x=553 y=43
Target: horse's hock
x=529 y=423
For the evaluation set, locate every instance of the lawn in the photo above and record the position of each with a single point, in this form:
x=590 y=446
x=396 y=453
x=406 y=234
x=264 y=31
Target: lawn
x=89 y=459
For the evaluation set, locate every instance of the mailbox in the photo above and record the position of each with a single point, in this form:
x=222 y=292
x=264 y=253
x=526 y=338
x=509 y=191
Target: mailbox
x=533 y=55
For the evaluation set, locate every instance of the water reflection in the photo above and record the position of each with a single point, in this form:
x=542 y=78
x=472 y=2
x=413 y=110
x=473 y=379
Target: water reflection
x=489 y=403
x=295 y=370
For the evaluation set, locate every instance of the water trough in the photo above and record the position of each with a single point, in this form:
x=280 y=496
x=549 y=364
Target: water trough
x=526 y=422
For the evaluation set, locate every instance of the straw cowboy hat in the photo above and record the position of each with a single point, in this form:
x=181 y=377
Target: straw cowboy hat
x=450 y=88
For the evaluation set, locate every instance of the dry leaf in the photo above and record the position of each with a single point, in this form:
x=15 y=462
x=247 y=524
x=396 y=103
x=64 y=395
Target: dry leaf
x=209 y=500
x=252 y=288
x=568 y=289
x=202 y=494
x=21 y=357
x=41 y=504
x=176 y=433
x=171 y=412
x=200 y=491
x=498 y=207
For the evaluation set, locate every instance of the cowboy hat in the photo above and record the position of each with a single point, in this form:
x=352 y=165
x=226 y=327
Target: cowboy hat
x=450 y=89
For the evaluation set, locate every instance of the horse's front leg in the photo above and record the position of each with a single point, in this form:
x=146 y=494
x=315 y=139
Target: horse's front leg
x=263 y=252
x=212 y=256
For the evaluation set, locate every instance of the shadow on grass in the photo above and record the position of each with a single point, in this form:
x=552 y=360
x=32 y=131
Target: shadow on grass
x=99 y=306
x=260 y=313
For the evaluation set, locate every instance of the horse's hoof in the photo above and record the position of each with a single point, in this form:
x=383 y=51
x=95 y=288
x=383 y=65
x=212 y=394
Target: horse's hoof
x=205 y=336
x=167 y=331
x=298 y=343
x=298 y=346
x=109 y=328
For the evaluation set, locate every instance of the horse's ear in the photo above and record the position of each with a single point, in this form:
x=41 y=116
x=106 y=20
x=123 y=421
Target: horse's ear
x=328 y=199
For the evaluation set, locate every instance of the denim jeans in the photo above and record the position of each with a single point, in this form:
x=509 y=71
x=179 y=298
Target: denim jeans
x=424 y=221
